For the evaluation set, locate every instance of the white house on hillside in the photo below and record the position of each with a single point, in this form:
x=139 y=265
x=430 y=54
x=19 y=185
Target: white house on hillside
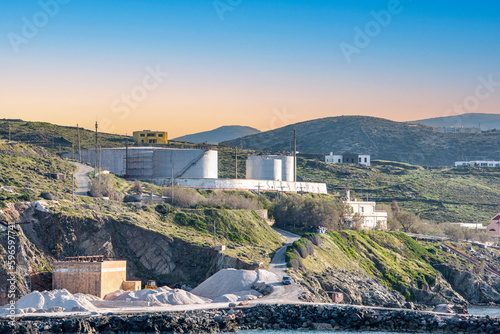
x=362 y=159
x=477 y=163
x=371 y=218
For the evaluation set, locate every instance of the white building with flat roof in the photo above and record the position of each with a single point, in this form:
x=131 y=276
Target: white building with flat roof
x=362 y=159
x=371 y=218
x=477 y=163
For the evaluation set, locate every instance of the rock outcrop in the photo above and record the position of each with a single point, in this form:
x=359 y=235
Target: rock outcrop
x=282 y=317
x=44 y=237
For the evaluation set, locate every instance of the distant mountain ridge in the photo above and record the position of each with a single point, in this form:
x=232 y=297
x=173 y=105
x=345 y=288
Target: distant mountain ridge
x=484 y=121
x=381 y=138
x=218 y=135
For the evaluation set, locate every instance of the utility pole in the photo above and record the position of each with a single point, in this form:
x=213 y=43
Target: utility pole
x=126 y=158
x=172 y=186
x=294 y=156
x=477 y=218
x=236 y=157
x=215 y=238
x=258 y=195
x=79 y=144
x=95 y=166
x=100 y=162
x=72 y=177
x=10 y=136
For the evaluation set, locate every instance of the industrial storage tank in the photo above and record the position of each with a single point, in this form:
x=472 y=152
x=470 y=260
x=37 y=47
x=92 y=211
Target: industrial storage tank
x=154 y=162
x=264 y=168
x=287 y=166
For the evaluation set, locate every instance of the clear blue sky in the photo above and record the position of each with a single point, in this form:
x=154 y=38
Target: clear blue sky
x=262 y=58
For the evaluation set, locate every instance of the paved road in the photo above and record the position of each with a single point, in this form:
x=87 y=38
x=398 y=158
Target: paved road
x=278 y=263
x=82 y=178
x=288 y=293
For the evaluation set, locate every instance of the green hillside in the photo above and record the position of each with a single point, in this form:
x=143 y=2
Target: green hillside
x=421 y=272
x=26 y=170
x=438 y=194
x=55 y=137
x=381 y=138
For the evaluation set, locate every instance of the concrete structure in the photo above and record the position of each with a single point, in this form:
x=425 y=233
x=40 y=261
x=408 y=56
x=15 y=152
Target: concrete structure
x=334 y=158
x=253 y=185
x=362 y=159
x=150 y=137
x=477 y=163
x=94 y=278
x=372 y=219
x=153 y=162
x=458 y=129
x=494 y=227
x=270 y=167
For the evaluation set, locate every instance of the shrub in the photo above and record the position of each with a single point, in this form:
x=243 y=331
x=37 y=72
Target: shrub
x=302 y=211
x=101 y=187
x=137 y=187
x=131 y=199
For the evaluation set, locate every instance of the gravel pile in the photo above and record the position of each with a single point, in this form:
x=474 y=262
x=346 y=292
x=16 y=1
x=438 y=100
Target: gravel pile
x=52 y=301
x=157 y=297
x=228 y=284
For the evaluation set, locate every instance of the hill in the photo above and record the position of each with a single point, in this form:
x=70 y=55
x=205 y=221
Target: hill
x=55 y=137
x=218 y=135
x=438 y=194
x=382 y=139
x=485 y=121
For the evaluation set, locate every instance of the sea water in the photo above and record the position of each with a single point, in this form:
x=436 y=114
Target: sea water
x=492 y=311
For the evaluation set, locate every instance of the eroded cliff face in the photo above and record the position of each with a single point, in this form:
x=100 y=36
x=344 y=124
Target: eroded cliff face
x=29 y=268
x=42 y=237
x=391 y=270
x=476 y=288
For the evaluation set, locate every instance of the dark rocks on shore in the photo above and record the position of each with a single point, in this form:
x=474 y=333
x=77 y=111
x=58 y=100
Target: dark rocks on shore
x=315 y=317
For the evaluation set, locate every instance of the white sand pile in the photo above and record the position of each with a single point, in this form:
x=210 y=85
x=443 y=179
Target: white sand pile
x=237 y=296
x=231 y=283
x=157 y=297
x=53 y=301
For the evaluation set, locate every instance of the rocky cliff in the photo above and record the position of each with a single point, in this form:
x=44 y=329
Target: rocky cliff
x=158 y=247
x=391 y=270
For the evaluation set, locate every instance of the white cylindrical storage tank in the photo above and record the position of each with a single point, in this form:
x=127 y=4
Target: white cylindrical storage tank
x=264 y=168
x=286 y=164
x=287 y=168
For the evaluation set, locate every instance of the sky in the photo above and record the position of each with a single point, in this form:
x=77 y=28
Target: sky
x=186 y=66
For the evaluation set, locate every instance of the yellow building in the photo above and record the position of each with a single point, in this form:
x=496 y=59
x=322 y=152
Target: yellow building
x=150 y=137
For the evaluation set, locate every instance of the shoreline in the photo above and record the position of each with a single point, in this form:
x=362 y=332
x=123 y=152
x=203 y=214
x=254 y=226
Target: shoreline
x=255 y=317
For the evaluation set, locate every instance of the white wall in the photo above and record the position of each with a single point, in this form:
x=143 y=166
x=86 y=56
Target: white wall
x=334 y=158
x=263 y=185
